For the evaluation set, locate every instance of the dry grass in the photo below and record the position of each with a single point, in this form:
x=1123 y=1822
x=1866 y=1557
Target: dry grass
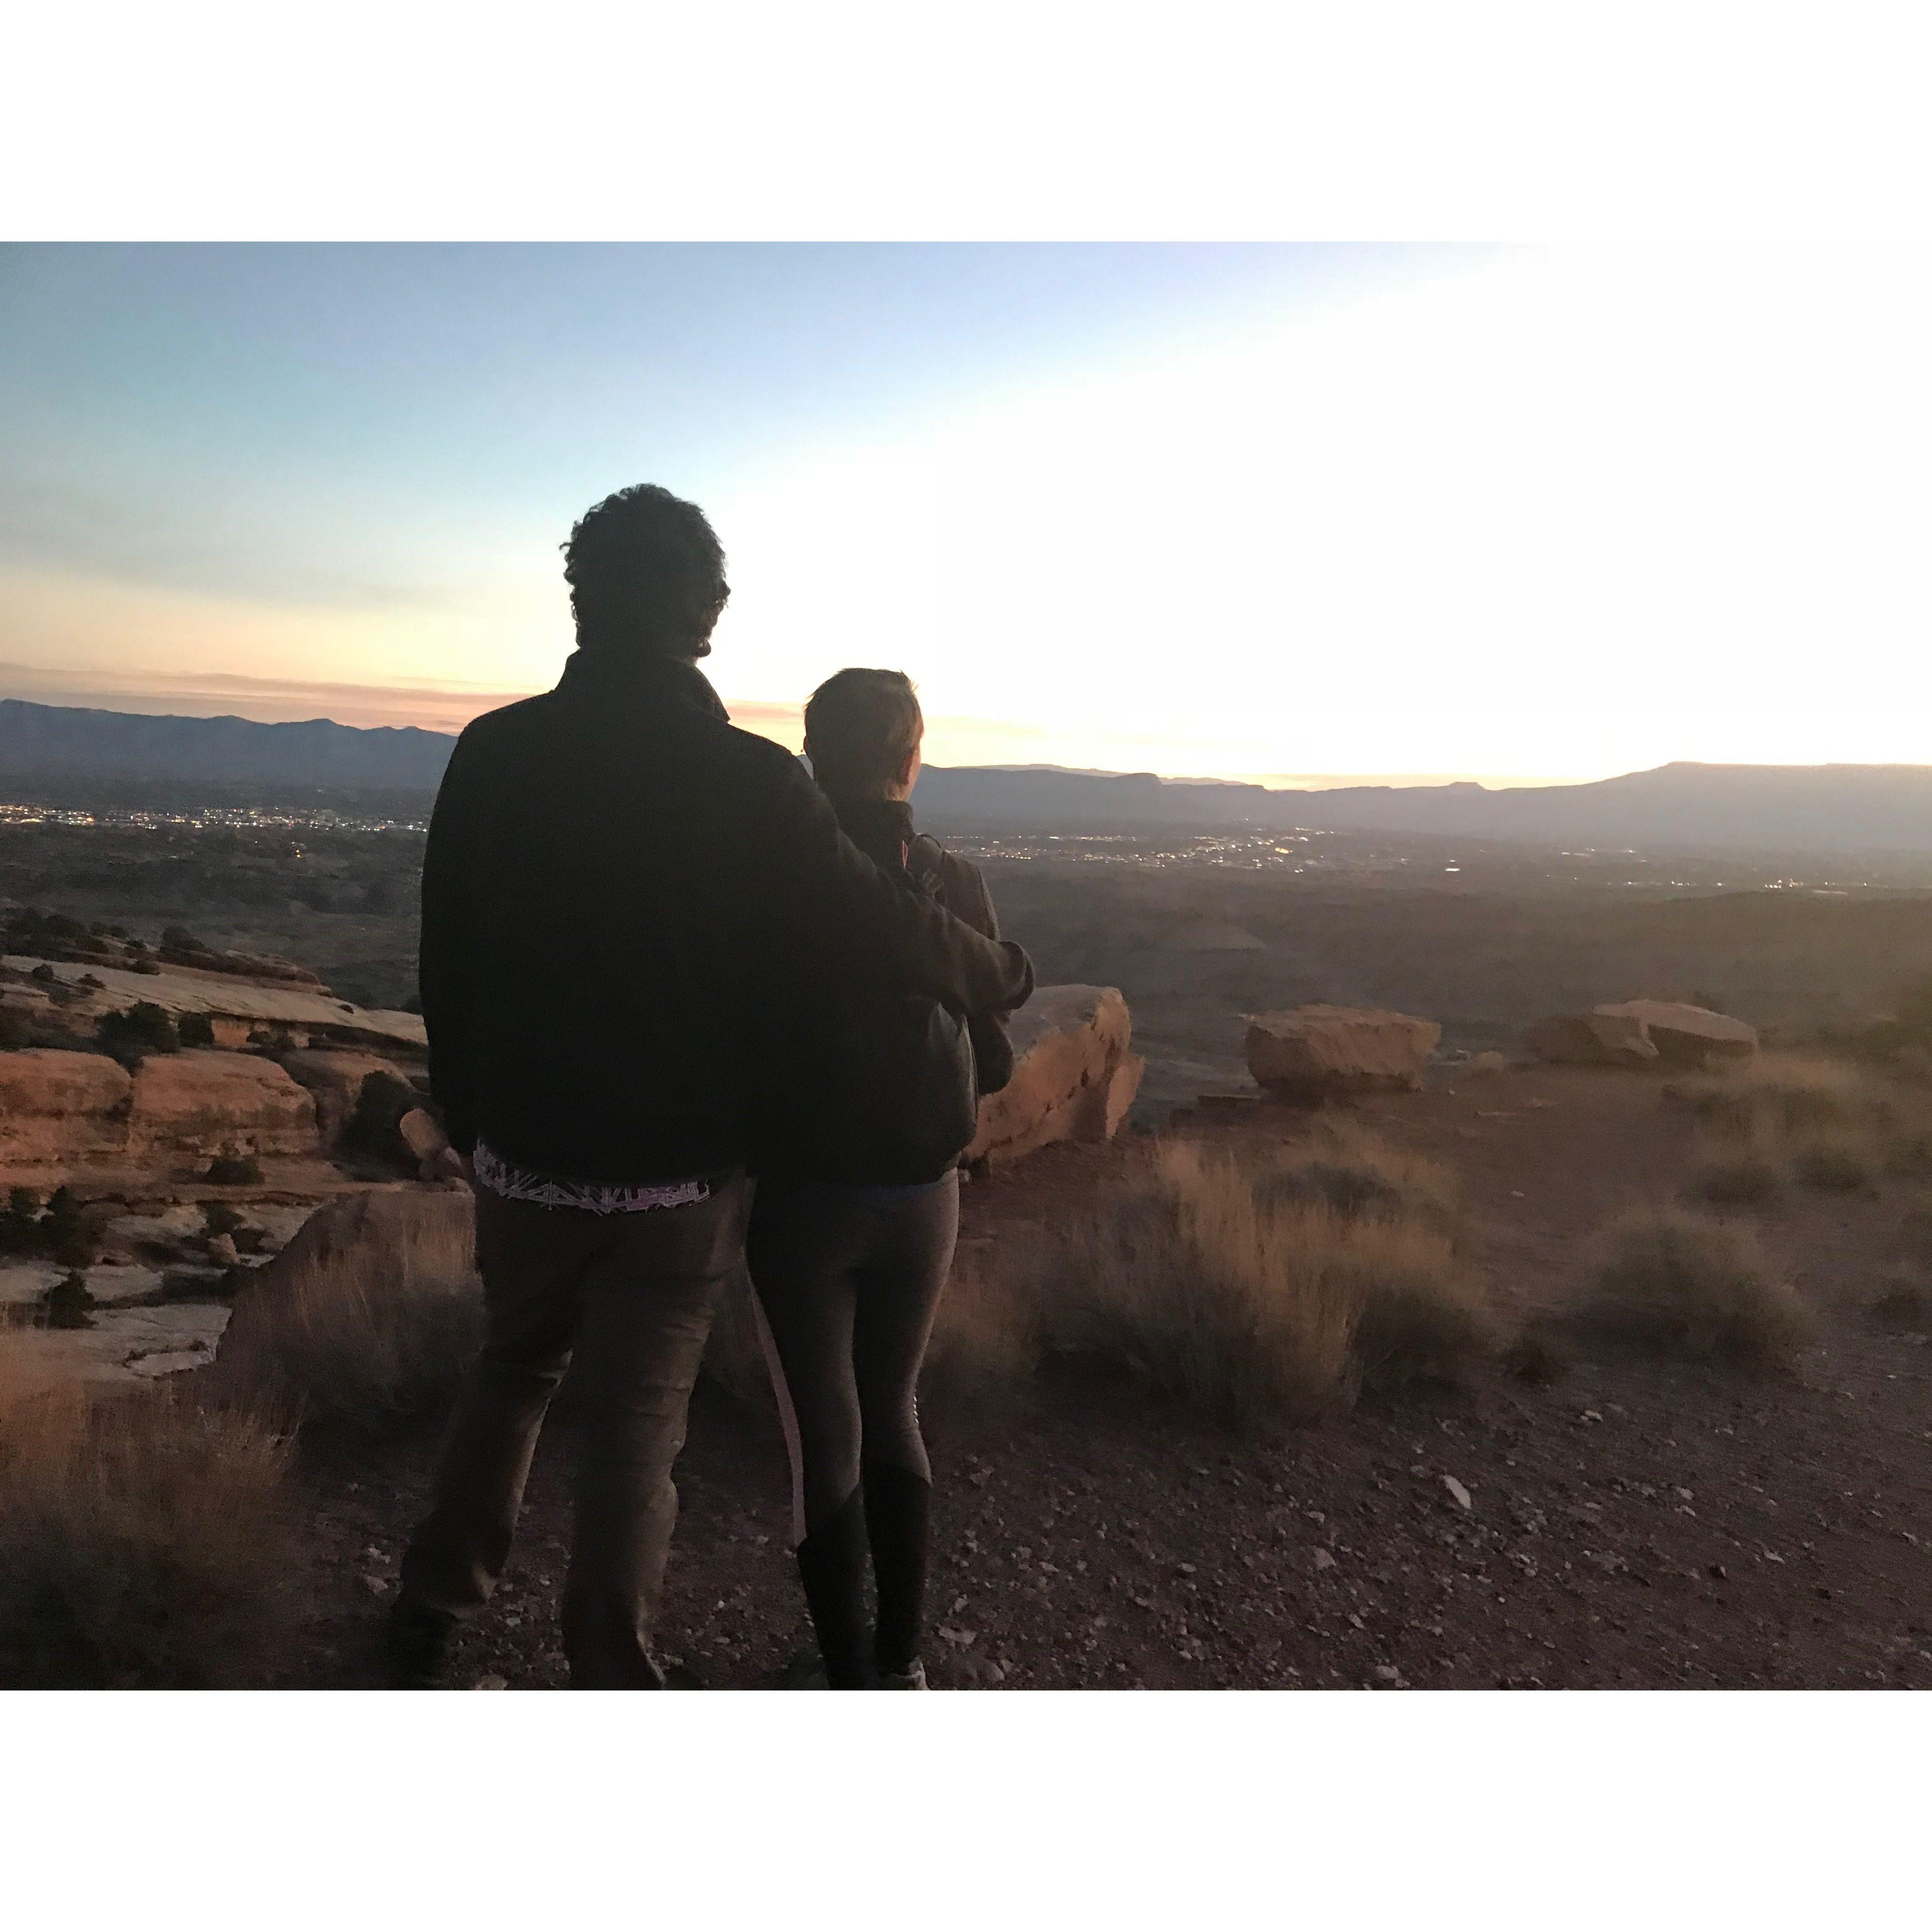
x=1260 y=1292
x=143 y=1542
x=1735 y=1178
x=1684 y=1284
x=1903 y=1300
x=1829 y=1125
x=1779 y=1098
x=1836 y=1163
x=985 y=1344
x=372 y=1340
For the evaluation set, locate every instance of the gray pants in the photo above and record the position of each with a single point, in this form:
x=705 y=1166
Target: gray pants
x=849 y=1278
x=631 y=1297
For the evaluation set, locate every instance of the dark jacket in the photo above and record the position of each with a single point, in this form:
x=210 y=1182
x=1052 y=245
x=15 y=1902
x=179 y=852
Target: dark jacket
x=875 y=1085
x=615 y=878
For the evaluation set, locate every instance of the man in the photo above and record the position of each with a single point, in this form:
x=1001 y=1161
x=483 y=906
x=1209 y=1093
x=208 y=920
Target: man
x=613 y=873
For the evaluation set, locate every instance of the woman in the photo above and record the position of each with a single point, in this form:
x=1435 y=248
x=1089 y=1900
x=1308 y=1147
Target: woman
x=875 y=1096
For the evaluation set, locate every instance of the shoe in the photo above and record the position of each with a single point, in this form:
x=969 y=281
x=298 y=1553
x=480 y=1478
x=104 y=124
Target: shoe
x=419 y=1645
x=912 y=1678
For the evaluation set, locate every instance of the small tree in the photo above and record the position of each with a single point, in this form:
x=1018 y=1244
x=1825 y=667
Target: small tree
x=16 y=1029
x=67 y=1302
x=196 y=1030
x=233 y=1168
x=381 y=1102
x=143 y=1029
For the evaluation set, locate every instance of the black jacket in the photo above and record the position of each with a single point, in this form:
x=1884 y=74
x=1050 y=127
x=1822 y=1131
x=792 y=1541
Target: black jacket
x=874 y=1085
x=615 y=880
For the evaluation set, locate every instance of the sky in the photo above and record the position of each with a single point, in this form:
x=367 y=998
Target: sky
x=1294 y=512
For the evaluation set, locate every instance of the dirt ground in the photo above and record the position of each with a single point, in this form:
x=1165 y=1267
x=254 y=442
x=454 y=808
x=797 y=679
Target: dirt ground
x=1632 y=1524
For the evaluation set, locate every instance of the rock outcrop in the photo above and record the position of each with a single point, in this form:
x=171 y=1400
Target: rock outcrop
x=388 y=1230
x=1688 y=1035
x=1589 y=1040
x=334 y=1077
x=1073 y=1077
x=1315 y=1052
x=56 y=1107
x=235 y=1006
x=1637 y=1032
x=194 y=1105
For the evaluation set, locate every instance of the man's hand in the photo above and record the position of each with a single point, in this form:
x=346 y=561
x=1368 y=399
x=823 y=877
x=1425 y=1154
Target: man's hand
x=446 y=1164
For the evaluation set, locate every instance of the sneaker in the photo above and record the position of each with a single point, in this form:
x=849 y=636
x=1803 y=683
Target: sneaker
x=912 y=1678
x=419 y=1645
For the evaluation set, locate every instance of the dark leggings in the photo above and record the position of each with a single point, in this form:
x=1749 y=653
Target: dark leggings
x=849 y=1278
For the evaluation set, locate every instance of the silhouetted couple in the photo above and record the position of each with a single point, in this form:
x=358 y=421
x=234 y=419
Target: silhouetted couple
x=658 y=960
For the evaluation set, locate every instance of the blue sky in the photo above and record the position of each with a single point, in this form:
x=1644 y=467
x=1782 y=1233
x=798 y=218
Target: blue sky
x=1268 y=510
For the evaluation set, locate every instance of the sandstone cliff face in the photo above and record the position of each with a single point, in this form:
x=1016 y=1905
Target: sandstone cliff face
x=1073 y=1077
x=195 y=1104
x=334 y=1078
x=1314 y=1051
x=58 y=1108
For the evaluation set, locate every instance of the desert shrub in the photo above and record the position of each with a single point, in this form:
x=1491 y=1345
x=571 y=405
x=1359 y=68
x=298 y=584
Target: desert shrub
x=195 y=1029
x=1915 y=1236
x=1835 y=1163
x=364 y=1341
x=380 y=1102
x=1910 y=1155
x=16 y=1029
x=143 y=1541
x=65 y=1234
x=1903 y=1299
x=1534 y=1358
x=1684 y=1284
x=1737 y=1178
x=219 y=1217
x=20 y=1224
x=1353 y=1172
x=143 y=1029
x=68 y=1304
x=234 y=1168
x=1777 y=1098
x=985 y=1344
x=1247 y=1294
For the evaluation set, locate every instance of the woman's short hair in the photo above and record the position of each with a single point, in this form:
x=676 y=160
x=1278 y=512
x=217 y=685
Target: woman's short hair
x=860 y=727
x=646 y=573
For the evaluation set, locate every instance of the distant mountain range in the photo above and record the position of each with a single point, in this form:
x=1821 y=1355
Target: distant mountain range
x=1816 y=808
x=1810 y=808
x=55 y=741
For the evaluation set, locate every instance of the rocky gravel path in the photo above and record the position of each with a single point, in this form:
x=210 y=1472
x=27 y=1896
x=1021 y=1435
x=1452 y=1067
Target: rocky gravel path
x=1634 y=1524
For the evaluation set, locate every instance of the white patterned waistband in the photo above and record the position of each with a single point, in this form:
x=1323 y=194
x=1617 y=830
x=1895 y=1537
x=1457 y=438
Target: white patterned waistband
x=510 y=1182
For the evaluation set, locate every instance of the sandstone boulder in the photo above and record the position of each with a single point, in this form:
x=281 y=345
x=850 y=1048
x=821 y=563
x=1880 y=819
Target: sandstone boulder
x=1688 y=1035
x=334 y=1078
x=419 y=1131
x=56 y=1107
x=1589 y=1040
x=1073 y=1078
x=193 y=1104
x=1315 y=1052
x=384 y=1232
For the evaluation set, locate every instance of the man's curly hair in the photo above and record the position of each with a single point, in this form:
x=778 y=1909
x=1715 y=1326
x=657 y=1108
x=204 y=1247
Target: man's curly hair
x=646 y=573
